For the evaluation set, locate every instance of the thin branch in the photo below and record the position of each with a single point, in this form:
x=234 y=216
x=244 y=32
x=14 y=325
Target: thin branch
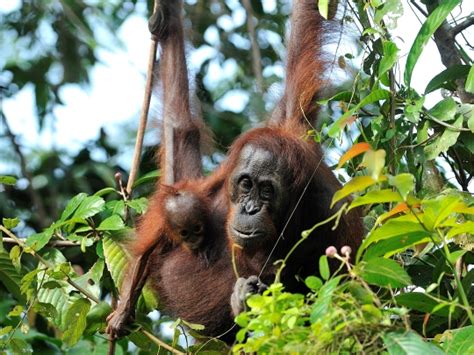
x=143 y=116
x=52 y=243
x=462 y=26
x=161 y=343
x=256 y=55
x=35 y=197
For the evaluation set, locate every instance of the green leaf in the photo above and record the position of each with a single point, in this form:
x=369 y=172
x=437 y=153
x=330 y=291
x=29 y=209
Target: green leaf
x=444 y=110
x=150 y=177
x=76 y=321
x=389 y=58
x=374 y=161
x=421 y=302
x=10 y=277
x=359 y=183
x=374 y=96
x=72 y=205
x=461 y=343
x=392 y=246
x=20 y=346
x=116 y=259
x=447 y=139
x=323 y=6
x=140 y=205
x=112 y=223
x=39 y=240
x=105 y=191
x=10 y=223
x=45 y=309
x=385 y=273
x=434 y=20
x=89 y=207
x=376 y=196
x=408 y=343
x=313 y=283
x=324 y=267
x=448 y=75
x=7 y=180
x=393 y=228
x=404 y=183
x=470 y=81
x=15 y=256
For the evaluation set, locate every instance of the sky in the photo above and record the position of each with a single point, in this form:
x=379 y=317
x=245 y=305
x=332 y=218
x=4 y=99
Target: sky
x=115 y=94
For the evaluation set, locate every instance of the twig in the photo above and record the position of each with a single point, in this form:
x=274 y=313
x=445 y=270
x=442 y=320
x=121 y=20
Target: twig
x=35 y=197
x=256 y=55
x=462 y=26
x=143 y=116
x=161 y=343
x=52 y=243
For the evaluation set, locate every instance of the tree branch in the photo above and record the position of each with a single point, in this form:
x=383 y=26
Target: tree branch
x=462 y=26
x=256 y=55
x=53 y=243
x=449 y=53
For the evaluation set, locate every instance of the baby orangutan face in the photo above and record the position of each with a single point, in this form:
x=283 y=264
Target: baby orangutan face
x=186 y=214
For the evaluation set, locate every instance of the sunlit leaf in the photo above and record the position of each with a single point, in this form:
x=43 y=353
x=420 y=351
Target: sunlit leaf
x=7 y=180
x=434 y=20
x=376 y=196
x=354 y=151
x=404 y=183
x=359 y=183
x=374 y=161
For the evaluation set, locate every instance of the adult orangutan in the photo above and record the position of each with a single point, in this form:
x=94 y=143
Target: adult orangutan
x=272 y=186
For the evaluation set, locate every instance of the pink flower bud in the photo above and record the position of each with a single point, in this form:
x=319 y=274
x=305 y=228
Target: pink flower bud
x=331 y=251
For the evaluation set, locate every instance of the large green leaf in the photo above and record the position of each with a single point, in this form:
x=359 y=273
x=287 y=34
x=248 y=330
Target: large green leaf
x=392 y=246
x=408 y=343
x=116 y=259
x=359 y=183
x=431 y=24
x=112 y=223
x=376 y=196
x=10 y=277
x=385 y=273
x=76 y=321
x=421 y=302
x=448 y=75
x=393 y=228
x=461 y=343
x=89 y=207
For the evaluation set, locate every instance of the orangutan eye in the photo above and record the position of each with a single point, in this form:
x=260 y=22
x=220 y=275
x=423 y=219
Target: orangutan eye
x=245 y=184
x=198 y=228
x=266 y=192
